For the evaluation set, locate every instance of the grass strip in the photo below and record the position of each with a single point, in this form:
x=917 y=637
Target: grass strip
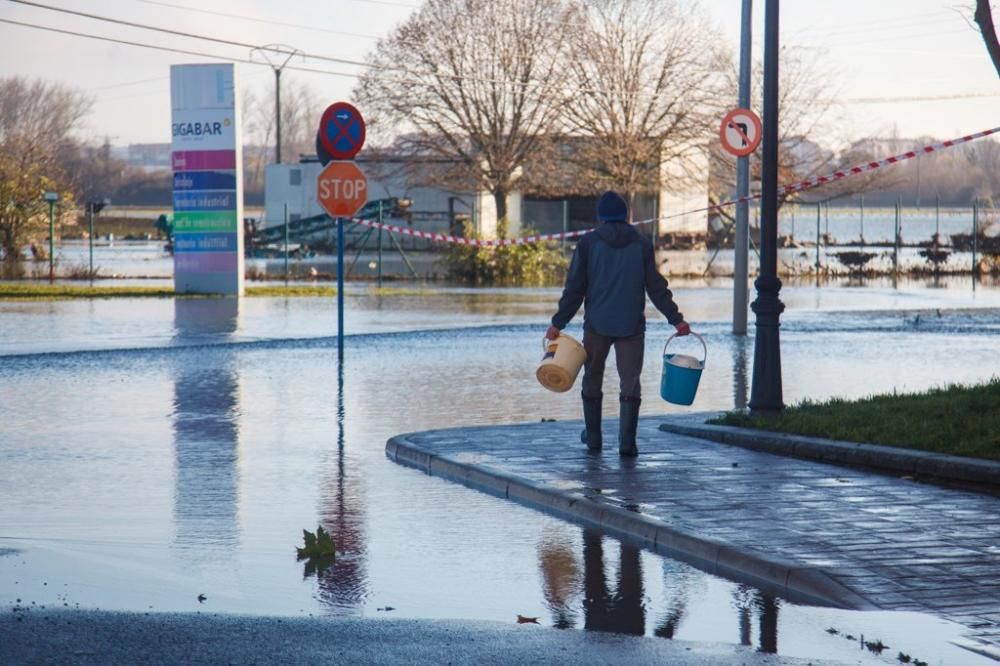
x=959 y=420
x=53 y=292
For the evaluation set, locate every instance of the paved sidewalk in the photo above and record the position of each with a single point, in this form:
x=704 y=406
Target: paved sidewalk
x=828 y=533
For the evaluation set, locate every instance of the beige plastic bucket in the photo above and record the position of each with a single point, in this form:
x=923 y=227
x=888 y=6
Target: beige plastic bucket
x=561 y=363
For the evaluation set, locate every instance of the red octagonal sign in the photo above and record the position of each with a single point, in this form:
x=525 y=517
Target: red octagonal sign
x=341 y=189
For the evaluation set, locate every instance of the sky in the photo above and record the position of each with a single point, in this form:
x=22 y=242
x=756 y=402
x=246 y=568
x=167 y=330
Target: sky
x=873 y=50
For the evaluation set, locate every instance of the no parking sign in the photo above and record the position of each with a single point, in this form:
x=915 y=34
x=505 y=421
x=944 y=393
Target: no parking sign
x=341 y=132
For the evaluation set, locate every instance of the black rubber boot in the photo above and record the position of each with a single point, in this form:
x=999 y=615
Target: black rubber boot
x=591 y=435
x=627 y=424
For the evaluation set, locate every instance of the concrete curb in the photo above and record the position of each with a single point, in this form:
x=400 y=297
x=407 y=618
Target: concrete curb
x=875 y=456
x=784 y=577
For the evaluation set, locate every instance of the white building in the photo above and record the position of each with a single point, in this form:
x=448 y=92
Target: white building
x=438 y=210
x=433 y=209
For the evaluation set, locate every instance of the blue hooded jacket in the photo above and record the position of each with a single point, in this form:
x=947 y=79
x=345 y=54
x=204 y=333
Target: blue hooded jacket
x=613 y=269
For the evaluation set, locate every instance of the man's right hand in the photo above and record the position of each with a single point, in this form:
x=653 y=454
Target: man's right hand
x=552 y=333
x=683 y=328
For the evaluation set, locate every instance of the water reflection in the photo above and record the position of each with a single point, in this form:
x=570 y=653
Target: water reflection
x=206 y=430
x=344 y=586
x=560 y=582
x=740 y=380
x=619 y=611
x=747 y=600
x=621 y=606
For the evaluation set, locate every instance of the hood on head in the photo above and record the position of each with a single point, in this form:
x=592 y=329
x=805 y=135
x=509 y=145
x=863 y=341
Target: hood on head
x=611 y=207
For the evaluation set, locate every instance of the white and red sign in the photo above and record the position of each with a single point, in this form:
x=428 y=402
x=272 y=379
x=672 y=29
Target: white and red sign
x=342 y=189
x=740 y=132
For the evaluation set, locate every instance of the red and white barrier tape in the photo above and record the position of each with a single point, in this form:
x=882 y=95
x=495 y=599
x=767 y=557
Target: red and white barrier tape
x=787 y=189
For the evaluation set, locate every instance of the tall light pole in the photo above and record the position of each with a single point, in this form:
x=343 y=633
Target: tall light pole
x=766 y=393
x=277 y=56
x=52 y=198
x=93 y=208
x=741 y=267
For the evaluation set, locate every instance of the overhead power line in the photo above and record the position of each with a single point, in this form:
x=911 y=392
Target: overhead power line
x=525 y=85
x=181 y=33
x=255 y=19
x=920 y=98
x=289 y=51
x=168 y=49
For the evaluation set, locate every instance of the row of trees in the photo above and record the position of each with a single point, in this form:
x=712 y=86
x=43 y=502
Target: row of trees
x=616 y=87
x=41 y=149
x=37 y=121
x=573 y=96
x=548 y=96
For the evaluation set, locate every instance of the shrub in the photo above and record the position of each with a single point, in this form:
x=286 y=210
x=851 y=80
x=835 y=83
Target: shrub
x=528 y=264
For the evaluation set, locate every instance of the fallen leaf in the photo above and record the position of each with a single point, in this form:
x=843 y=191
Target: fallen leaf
x=521 y=619
x=201 y=598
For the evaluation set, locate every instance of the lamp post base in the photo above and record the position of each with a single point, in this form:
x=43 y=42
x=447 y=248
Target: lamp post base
x=766 y=391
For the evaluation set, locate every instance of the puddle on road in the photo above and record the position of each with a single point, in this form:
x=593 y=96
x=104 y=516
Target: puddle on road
x=157 y=475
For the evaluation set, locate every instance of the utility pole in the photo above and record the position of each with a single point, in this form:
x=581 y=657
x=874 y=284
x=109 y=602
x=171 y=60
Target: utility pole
x=741 y=268
x=766 y=392
x=277 y=56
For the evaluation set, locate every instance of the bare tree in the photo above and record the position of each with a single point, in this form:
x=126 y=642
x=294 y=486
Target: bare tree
x=479 y=83
x=650 y=90
x=984 y=18
x=36 y=122
x=300 y=111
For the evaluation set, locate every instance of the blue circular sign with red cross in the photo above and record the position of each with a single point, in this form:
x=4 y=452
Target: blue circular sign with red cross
x=342 y=131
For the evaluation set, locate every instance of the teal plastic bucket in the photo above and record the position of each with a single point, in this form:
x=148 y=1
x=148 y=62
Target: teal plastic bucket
x=681 y=374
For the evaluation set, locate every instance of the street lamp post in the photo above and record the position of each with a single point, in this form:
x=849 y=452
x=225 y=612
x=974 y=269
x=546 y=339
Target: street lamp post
x=52 y=198
x=766 y=393
x=93 y=208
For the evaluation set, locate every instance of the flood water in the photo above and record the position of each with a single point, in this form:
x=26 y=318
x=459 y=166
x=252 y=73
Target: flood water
x=155 y=450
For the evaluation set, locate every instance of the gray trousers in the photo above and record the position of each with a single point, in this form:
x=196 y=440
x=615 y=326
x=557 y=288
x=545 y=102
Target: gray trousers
x=628 y=357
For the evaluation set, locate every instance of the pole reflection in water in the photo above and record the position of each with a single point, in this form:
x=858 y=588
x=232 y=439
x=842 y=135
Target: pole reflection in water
x=740 y=379
x=746 y=599
x=621 y=611
x=344 y=586
x=206 y=428
x=768 y=607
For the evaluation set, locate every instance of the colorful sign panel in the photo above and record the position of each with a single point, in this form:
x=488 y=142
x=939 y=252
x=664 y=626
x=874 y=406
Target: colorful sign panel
x=206 y=157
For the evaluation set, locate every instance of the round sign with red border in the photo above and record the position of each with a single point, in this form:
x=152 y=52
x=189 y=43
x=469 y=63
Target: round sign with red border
x=342 y=131
x=740 y=132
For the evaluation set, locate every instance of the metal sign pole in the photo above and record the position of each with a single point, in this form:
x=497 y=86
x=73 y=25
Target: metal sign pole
x=286 y=244
x=90 y=227
x=340 y=288
x=741 y=268
x=380 y=244
x=52 y=250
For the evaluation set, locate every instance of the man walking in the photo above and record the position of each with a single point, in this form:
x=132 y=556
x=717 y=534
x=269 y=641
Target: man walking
x=612 y=270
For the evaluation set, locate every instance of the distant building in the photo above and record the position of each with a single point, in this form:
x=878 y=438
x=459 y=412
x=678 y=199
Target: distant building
x=150 y=157
x=442 y=210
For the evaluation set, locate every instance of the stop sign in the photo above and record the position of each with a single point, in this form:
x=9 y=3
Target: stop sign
x=341 y=189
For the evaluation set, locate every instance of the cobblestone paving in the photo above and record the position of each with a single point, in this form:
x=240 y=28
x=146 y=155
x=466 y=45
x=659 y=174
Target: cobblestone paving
x=902 y=544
